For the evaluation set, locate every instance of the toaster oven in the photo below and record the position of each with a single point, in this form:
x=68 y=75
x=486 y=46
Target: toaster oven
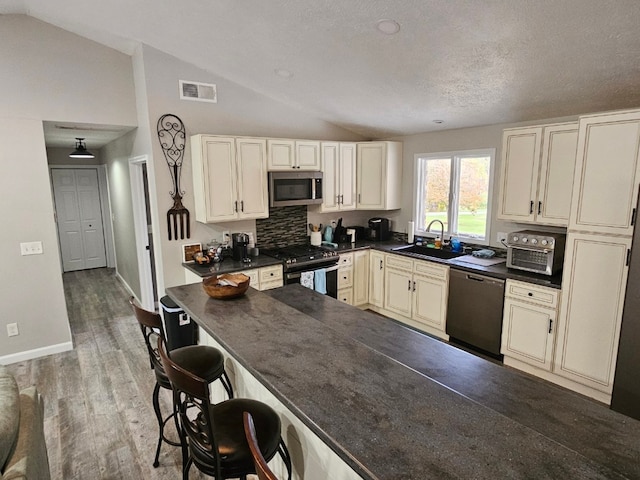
x=533 y=251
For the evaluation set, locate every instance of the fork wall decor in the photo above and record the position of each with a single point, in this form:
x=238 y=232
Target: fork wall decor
x=171 y=133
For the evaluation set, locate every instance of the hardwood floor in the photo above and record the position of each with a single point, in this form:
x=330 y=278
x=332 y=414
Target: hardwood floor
x=99 y=420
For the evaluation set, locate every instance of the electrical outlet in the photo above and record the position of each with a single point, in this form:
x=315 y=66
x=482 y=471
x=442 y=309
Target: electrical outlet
x=12 y=329
x=501 y=237
x=226 y=237
x=31 y=248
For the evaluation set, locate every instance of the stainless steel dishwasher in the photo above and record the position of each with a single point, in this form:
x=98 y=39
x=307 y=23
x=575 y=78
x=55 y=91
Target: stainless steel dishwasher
x=474 y=310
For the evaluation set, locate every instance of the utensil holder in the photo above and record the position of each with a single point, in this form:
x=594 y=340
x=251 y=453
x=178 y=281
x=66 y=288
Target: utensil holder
x=316 y=239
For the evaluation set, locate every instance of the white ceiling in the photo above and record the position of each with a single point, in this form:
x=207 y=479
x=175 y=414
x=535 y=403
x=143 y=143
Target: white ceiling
x=465 y=62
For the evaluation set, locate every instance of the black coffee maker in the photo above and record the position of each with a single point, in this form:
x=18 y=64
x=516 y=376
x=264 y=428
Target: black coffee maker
x=240 y=242
x=379 y=229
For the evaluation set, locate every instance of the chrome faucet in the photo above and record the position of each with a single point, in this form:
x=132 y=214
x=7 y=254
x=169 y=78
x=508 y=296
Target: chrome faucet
x=441 y=228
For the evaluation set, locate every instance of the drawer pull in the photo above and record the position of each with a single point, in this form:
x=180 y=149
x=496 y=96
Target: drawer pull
x=550 y=325
x=530 y=294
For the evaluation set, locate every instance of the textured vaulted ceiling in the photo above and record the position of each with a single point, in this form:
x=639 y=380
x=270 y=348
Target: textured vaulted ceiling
x=466 y=62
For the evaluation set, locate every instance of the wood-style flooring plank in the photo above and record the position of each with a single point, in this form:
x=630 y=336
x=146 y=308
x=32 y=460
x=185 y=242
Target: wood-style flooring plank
x=99 y=419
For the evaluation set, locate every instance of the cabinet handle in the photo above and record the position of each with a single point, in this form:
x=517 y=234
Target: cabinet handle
x=550 y=325
x=414 y=286
x=530 y=294
x=235 y=208
x=531 y=207
x=539 y=208
x=633 y=217
x=409 y=285
x=380 y=264
x=628 y=256
x=359 y=198
x=242 y=206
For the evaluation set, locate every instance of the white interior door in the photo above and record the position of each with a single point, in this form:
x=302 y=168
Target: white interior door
x=79 y=218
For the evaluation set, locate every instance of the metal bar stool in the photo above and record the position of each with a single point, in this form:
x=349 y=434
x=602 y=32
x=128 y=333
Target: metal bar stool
x=207 y=361
x=215 y=432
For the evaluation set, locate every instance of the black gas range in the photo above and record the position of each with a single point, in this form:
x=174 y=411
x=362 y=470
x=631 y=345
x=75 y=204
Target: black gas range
x=303 y=263
x=303 y=257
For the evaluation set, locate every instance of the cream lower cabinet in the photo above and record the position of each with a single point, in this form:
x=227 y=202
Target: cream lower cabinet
x=529 y=323
x=229 y=178
x=353 y=278
x=376 y=279
x=345 y=278
x=263 y=278
x=416 y=291
x=593 y=290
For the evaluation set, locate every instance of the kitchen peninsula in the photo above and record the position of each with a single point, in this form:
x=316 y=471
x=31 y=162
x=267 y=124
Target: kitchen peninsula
x=394 y=403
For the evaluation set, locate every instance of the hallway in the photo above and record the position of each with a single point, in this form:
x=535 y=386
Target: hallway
x=99 y=420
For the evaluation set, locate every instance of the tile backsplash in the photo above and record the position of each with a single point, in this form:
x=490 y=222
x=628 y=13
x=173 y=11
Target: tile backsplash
x=285 y=226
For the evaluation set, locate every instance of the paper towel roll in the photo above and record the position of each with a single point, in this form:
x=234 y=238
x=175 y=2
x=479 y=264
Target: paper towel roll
x=410 y=229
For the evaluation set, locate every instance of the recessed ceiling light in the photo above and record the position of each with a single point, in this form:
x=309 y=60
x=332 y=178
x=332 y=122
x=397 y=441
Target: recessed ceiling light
x=438 y=121
x=284 y=73
x=388 y=27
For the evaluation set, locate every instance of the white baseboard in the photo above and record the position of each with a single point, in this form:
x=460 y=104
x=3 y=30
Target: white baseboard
x=126 y=286
x=36 y=353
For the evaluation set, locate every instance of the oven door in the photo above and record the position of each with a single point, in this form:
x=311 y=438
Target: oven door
x=332 y=278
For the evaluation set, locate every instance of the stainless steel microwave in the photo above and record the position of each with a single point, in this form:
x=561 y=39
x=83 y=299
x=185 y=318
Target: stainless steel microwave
x=294 y=188
x=533 y=251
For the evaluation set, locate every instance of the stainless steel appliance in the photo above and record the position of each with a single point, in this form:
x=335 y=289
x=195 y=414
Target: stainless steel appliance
x=307 y=258
x=474 y=310
x=379 y=229
x=534 y=251
x=240 y=242
x=294 y=188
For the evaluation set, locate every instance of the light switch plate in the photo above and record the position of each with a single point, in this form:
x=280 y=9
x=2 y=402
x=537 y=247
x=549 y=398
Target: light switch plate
x=31 y=248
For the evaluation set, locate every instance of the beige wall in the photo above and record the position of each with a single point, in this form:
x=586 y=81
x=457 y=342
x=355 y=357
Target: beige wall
x=57 y=76
x=239 y=111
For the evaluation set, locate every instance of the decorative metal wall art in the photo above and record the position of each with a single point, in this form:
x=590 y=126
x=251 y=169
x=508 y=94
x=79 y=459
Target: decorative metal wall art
x=171 y=134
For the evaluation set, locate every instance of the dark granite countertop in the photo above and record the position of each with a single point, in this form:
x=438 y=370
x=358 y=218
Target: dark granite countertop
x=497 y=271
x=395 y=403
x=229 y=265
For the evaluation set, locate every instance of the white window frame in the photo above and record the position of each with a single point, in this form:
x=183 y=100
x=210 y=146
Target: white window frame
x=419 y=167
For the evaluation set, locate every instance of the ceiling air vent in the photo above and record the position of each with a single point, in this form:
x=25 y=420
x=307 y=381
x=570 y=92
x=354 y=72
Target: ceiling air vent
x=202 y=92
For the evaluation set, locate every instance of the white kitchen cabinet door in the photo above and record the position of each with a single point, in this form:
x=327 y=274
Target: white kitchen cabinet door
x=339 y=176
x=307 y=155
x=214 y=178
x=361 y=277
x=376 y=279
x=605 y=188
x=253 y=193
x=528 y=333
x=347 y=174
x=379 y=175
x=593 y=289
x=557 y=167
x=398 y=291
x=519 y=179
x=280 y=154
x=330 y=156
x=430 y=301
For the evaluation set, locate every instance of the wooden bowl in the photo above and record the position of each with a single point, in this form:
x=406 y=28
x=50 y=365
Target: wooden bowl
x=215 y=287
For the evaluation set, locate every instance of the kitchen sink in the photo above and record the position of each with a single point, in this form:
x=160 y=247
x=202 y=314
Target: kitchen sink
x=428 y=252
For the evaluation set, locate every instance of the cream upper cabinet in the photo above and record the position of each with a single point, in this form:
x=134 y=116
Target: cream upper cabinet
x=537 y=173
x=376 y=278
x=606 y=178
x=284 y=154
x=529 y=324
x=593 y=289
x=229 y=178
x=360 y=277
x=338 y=162
x=379 y=175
